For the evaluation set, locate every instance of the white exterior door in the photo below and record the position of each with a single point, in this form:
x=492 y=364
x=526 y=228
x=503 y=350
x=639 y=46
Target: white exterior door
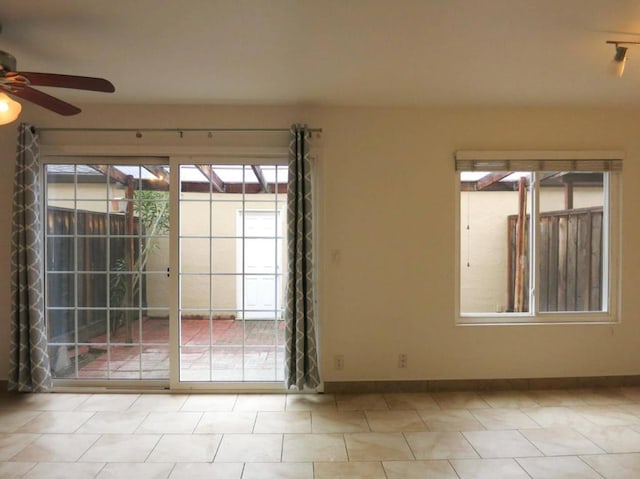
x=260 y=250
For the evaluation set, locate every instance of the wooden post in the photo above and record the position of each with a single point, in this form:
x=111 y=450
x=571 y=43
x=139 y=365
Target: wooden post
x=130 y=255
x=568 y=194
x=518 y=302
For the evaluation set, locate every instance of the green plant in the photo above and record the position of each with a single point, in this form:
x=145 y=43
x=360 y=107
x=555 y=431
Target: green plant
x=152 y=211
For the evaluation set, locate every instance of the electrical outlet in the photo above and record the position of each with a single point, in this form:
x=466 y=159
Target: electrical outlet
x=402 y=360
x=338 y=362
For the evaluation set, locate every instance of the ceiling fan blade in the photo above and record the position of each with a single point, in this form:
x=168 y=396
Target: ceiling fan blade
x=44 y=100
x=66 y=81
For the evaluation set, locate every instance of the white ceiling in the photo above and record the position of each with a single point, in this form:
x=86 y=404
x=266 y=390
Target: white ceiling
x=332 y=52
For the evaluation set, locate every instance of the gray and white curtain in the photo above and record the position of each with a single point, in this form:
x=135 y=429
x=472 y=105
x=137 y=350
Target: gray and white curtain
x=29 y=362
x=301 y=361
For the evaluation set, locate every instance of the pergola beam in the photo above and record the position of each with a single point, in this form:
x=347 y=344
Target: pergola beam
x=159 y=172
x=488 y=180
x=216 y=181
x=112 y=173
x=263 y=182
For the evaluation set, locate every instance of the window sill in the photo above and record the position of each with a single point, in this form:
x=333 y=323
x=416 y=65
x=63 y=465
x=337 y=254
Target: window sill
x=578 y=318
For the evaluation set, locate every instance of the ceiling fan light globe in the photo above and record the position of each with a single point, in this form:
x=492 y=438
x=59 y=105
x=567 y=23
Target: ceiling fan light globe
x=9 y=109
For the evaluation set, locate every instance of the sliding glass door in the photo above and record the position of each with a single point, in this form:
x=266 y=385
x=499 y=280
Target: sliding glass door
x=115 y=311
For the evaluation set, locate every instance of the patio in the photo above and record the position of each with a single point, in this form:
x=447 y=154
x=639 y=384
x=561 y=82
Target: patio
x=217 y=350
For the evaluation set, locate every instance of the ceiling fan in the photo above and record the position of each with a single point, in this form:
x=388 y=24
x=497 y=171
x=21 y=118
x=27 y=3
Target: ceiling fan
x=20 y=84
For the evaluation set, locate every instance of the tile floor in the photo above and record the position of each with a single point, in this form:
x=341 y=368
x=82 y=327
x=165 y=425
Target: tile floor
x=569 y=434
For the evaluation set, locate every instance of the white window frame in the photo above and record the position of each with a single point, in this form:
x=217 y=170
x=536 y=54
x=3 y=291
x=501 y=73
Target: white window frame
x=611 y=239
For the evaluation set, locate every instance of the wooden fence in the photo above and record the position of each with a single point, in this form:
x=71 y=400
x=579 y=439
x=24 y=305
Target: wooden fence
x=82 y=264
x=570 y=260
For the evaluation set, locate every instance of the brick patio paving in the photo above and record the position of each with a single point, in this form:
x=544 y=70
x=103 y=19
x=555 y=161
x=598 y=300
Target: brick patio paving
x=210 y=351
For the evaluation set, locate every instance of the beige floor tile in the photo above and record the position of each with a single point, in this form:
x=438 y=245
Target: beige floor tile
x=460 y=400
x=633 y=408
x=11 y=444
x=56 y=422
x=58 y=470
x=108 y=402
x=12 y=419
x=200 y=470
x=209 y=402
x=451 y=420
x=568 y=467
x=361 y=402
x=615 y=466
x=440 y=445
x=121 y=448
x=613 y=439
x=135 y=470
x=283 y=422
x=339 y=421
x=15 y=469
x=311 y=402
x=52 y=447
x=501 y=419
x=261 y=402
x=508 y=399
x=556 y=416
x=607 y=415
x=314 y=447
x=112 y=422
x=377 y=446
x=169 y=423
x=185 y=448
x=489 y=469
x=419 y=470
x=250 y=448
x=52 y=402
x=226 y=422
x=395 y=421
x=274 y=470
x=159 y=402
x=349 y=470
x=560 y=442
x=602 y=396
x=631 y=392
x=556 y=397
x=398 y=401
x=498 y=444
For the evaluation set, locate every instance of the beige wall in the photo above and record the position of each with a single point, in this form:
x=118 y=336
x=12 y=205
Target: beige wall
x=195 y=219
x=387 y=241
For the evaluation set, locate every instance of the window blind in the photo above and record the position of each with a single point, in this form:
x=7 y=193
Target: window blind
x=537 y=161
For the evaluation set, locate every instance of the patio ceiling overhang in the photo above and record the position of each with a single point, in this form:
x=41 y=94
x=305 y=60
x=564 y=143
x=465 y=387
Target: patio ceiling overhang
x=248 y=179
x=508 y=180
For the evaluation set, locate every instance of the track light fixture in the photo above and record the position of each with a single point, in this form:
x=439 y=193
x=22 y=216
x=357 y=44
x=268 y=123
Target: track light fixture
x=620 y=58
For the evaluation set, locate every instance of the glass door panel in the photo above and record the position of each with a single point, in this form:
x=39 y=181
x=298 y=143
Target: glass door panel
x=107 y=254
x=231 y=272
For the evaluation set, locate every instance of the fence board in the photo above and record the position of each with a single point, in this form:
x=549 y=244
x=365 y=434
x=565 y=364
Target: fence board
x=570 y=260
x=88 y=255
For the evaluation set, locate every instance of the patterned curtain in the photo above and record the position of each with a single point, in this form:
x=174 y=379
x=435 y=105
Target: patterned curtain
x=301 y=362
x=29 y=362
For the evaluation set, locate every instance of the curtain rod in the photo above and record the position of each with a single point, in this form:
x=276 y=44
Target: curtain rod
x=179 y=130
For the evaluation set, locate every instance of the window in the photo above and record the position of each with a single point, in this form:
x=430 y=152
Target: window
x=538 y=236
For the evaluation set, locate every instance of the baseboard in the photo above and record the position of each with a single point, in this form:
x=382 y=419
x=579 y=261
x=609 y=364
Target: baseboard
x=479 y=384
